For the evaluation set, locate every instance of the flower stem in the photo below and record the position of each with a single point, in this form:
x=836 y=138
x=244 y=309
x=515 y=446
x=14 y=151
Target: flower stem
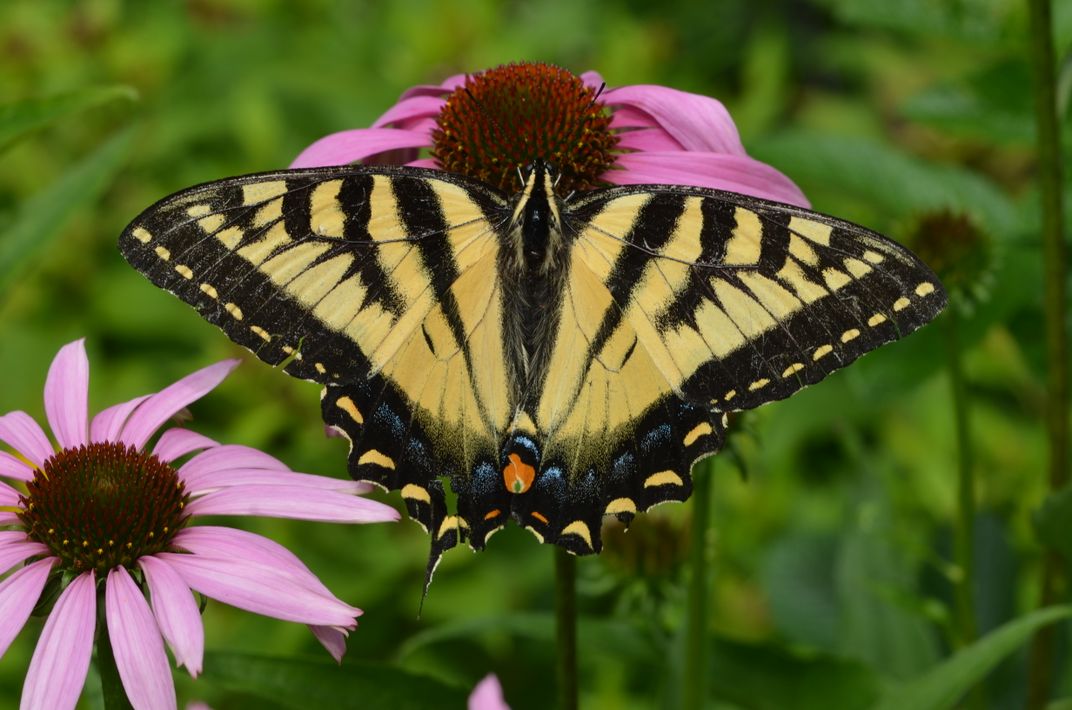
x=964 y=534
x=115 y=697
x=695 y=690
x=566 y=627
x=1040 y=43
x=965 y=522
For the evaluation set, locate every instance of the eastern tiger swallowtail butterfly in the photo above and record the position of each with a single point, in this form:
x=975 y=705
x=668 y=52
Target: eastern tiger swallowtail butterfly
x=555 y=360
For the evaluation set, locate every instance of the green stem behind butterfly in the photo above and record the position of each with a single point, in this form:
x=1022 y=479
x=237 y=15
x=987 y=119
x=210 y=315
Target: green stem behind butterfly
x=566 y=627
x=964 y=533
x=1040 y=45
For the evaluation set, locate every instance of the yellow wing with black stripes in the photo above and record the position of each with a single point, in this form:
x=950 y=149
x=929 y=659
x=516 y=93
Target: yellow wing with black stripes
x=556 y=361
x=380 y=284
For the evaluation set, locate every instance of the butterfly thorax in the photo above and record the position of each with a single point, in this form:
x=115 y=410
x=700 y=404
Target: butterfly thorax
x=532 y=263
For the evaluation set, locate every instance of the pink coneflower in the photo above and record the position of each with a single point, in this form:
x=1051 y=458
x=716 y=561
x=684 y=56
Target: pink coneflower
x=489 y=124
x=107 y=517
x=488 y=695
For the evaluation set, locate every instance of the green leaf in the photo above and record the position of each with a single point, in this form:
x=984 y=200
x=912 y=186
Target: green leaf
x=303 y=683
x=43 y=216
x=1053 y=521
x=19 y=118
x=943 y=685
x=888 y=182
x=762 y=677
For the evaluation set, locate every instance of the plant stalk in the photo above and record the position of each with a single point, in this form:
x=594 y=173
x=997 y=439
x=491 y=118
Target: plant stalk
x=1040 y=44
x=964 y=541
x=115 y=697
x=694 y=695
x=566 y=627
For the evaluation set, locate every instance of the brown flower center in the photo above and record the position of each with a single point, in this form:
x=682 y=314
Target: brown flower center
x=505 y=118
x=103 y=505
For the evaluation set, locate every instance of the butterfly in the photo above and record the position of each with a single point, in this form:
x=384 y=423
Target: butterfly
x=555 y=360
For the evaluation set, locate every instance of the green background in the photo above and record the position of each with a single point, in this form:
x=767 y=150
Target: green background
x=832 y=511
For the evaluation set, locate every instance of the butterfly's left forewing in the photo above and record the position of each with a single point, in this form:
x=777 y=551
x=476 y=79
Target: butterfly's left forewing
x=381 y=284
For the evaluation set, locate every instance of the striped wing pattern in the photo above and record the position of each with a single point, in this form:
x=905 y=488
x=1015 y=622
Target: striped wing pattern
x=388 y=286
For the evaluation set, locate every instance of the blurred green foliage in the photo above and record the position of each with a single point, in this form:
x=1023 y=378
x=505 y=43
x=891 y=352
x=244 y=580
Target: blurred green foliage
x=832 y=579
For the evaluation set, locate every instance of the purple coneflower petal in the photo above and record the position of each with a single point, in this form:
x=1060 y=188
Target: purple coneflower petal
x=8 y=495
x=643 y=139
x=15 y=468
x=488 y=695
x=407 y=110
x=258 y=588
x=714 y=170
x=137 y=645
x=67 y=395
x=12 y=467
x=8 y=518
x=175 y=443
x=293 y=502
x=424 y=163
x=333 y=639
x=19 y=431
x=442 y=89
x=176 y=613
x=228 y=456
x=226 y=478
x=357 y=144
x=18 y=597
x=161 y=406
x=696 y=122
x=109 y=422
x=61 y=660
x=220 y=542
x=15 y=548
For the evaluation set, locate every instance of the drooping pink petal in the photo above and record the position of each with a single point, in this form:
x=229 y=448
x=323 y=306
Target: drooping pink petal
x=12 y=467
x=109 y=422
x=67 y=395
x=643 y=139
x=18 y=597
x=488 y=695
x=61 y=660
x=221 y=542
x=161 y=406
x=292 y=502
x=19 y=431
x=714 y=170
x=423 y=163
x=357 y=144
x=8 y=495
x=226 y=478
x=259 y=588
x=176 y=613
x=592 y=79
x=448 y=85
x=227 y=456
x=405 y=111
x=8 y=518
x=174 y=443
x=699 y=123
x=137 y=645
x=16 y=548
x=333 y=639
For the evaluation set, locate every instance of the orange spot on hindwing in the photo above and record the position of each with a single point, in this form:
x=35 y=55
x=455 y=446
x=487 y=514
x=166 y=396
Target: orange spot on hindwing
x=518 y=475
